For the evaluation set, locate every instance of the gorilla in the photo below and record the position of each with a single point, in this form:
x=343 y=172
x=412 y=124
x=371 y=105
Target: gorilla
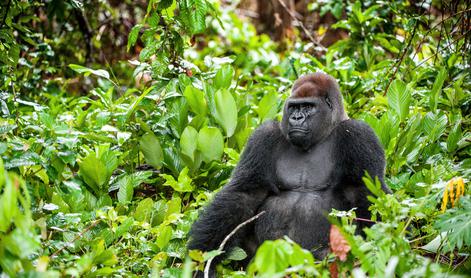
x=296 y=171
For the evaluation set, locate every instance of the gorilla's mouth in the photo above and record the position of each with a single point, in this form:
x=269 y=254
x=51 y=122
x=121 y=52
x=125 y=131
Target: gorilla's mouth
x=297 y=130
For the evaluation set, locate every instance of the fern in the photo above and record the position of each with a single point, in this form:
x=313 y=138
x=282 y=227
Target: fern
x=456 y=223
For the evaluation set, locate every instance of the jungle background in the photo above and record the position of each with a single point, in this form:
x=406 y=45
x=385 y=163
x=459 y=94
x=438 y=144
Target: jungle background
x=121 y=119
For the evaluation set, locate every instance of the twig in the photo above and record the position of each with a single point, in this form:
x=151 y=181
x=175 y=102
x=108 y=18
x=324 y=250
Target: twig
x=436 y=53
x=397 y=65
x=306 y=31
x=425 y=36
x=77 y=237
x=359 y=219
x=226 y=239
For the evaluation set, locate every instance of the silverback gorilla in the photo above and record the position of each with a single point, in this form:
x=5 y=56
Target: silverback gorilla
x=296 y=171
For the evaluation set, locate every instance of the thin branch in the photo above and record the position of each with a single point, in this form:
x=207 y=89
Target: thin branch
x=359 y=219
x=76 y=238
x=226 y=239
x=306 y=31
x=397 y=65
x=436 y=53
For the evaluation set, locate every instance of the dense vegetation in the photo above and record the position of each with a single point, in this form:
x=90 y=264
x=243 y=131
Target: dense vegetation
x=121 y=120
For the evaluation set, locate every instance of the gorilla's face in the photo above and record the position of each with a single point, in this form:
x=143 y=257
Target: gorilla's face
x=306 y=121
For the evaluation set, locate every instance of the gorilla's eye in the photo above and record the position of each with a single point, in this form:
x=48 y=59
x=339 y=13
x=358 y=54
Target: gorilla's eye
x=329 y=103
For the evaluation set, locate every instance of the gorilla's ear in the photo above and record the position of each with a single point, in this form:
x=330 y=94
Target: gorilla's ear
x=329 y=103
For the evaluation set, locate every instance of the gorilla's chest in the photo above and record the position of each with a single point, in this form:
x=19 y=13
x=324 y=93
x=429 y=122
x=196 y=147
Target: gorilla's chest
x=305 y=170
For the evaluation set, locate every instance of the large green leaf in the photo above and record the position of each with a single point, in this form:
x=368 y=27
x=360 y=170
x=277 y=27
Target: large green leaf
x=188 y=142
x=93 y=171
x=132 y=38
x=126 y=191
x=223 y=77
x=436 y=89
x=144 y=210
x=434 y=125
x=210 y=143
x=225 y=111
x=164 y=236
x=195 y=99
x=399 y=97
x=193 y=15
x=268 y=106
x=150 y=147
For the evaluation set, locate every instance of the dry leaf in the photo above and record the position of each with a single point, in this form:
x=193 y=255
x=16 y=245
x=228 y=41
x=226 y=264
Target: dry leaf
x=338 y=244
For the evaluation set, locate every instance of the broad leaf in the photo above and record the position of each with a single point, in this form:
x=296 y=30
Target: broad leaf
x=434 y=125
x=436 y=89
x=210 y=143
x=226 y=111
x=126 y=191
x=195 y=99
x=268 y=106
x=188 y=142
x=399 y=97
x=150 y=147
x=93 y=171
x=223 y=77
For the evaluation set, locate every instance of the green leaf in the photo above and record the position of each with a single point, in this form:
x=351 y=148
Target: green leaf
x=226 y=111
x=272 y=257
x=174 y=206
x=150 y=146
x=223 y=77
x=182 y=185
x=144 y=210
x=164 y=236
x=93 y=171
x=195 y=99
x=188 y=142
x=436 y=89
x=132 y=38
x=454 y=137
x=193 y=15
x=124 y=227
x=87 y=71
x=434 y=125
x=399 y=97
x=456 y=223
x=210 y=143
x=236 y=254
x=268 y=106
x=125 y=192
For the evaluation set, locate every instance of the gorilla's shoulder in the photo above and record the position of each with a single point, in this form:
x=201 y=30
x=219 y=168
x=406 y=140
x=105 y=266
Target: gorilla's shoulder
x=267 y=134
x=355 y=130
x=358 y=139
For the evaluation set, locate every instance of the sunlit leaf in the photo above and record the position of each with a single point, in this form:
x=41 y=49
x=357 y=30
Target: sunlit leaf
x=210 y=143
x=150 y=146
x=226 y=111
x=399 y=97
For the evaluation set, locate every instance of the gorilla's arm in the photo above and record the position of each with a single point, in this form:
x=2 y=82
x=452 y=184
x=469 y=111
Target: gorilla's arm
x=359 y=151
x=251 y=182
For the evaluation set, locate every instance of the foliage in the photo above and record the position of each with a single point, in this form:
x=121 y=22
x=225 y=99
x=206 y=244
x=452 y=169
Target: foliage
x=105 y=165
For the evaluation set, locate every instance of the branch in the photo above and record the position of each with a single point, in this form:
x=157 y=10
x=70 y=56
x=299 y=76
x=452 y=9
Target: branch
x=306 y=31
x=77 y=237
x=399 y=62
x=226 y=239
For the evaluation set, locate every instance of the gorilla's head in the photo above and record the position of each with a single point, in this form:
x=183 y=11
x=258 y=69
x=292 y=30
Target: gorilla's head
x=313 y=110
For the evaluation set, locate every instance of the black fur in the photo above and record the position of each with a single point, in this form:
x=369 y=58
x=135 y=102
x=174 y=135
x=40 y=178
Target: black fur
x=296 y=182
